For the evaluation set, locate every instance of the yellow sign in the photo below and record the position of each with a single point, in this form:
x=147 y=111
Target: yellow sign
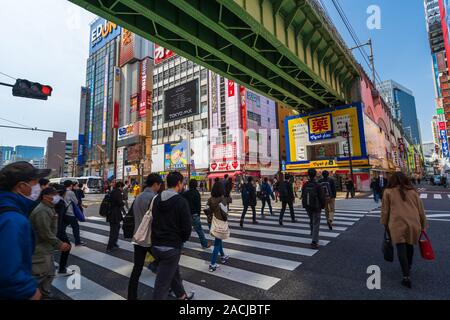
x=320 y=127
x=325 y=164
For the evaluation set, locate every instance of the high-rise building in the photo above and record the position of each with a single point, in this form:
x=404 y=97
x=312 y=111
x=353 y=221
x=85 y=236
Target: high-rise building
x=6 y=155
x=55 y=153
x=70 y=156
x=403 y=107
x=27 y=153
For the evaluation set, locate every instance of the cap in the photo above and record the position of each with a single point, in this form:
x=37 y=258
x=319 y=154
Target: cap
x=49 y=190
x=16 y=172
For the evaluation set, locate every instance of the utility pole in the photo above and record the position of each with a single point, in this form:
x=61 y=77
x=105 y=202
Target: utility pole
x=347 y=133
x=371 y=58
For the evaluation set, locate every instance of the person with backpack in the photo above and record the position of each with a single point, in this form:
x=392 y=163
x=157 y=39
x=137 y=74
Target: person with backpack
x=329 y=189
x=44 y=221
x=217 y=205
x=138 y=209
x=115 y=216
x=19 y=191
x=248 y=200
x=266 y=194
x=171 y=227
x=313 y=200
x=195 y=202
x=287 y=198
x=70 y=198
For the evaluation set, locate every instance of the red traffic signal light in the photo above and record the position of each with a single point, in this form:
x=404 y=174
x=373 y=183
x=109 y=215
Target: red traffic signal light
x=33 y=90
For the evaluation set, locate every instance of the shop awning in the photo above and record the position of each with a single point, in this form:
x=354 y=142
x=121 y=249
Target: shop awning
x=221 y=175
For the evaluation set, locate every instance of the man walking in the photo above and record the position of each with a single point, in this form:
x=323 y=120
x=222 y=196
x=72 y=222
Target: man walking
x=329 y=189
x=139 y=207
x=313 y=200
x=266 y=195
x=171 y=227
x=350 y=186
x=287 y=198
x=248 y=200
x=115 y=216
x=381 y=185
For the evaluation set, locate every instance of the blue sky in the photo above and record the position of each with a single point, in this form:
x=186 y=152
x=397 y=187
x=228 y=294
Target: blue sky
x=48 y=43
x=401 y=48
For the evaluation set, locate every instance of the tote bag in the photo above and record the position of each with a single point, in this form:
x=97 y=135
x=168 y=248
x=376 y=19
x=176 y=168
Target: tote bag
x=78 y=213
x=143 y=235
x=219 y=228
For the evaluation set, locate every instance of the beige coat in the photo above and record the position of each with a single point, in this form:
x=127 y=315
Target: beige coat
x=406 y=218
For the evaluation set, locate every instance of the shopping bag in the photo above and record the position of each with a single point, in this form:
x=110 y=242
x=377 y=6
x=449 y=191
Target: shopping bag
x=149 y=259
x=426 y=249
x=78 y=213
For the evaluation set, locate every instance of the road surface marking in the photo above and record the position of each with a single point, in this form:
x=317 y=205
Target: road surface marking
x=437 y=196
x=287 y=225
x=287 y=216
x=238 y=275
x=125 y=268
x=423 y=196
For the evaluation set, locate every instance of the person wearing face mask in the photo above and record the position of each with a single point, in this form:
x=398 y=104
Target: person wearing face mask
x=19 y=190
x=69 y=197
x=44 y=220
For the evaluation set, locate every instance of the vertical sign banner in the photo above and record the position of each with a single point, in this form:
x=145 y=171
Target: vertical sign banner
x=242 y=94
x=162 y=54
x=105 y=99
x=230 y=88
x=82 y=126
x=91 y=107
x=116 y=97
x=146 y=87
x=120 y=162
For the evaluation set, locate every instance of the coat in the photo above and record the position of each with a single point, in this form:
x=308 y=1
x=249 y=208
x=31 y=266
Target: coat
x=115 y=216
x=286 y=191
x=44 y=222
x=248 y=195
x=214 y=205
x=406 y=219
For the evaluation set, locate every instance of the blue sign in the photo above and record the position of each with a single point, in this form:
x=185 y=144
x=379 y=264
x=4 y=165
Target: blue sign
x=81 y=150
x=102 y=32
x=444 y=134
x=320 y=128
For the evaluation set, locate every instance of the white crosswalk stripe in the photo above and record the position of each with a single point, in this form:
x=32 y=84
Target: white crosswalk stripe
x=423 y=196
x=261 y=255
x=437 y=196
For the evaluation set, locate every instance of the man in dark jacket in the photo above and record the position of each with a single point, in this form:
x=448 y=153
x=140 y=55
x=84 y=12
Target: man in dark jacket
x=115 y=216
x=313 y=200
x=195 y=202
x=19 y=190
x=171 y=227
x=248 y=200
x=266 y=195
x=329 y=188
x=287 y=198
x=350 y=186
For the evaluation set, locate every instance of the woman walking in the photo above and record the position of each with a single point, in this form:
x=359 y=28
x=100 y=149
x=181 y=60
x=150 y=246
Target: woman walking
x=403 y=214
x=217 y=205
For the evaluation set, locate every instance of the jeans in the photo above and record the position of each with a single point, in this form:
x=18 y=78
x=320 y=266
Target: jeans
x=139 y=260
x=405 y=254
x=197 y=224
x=114 y=229
x=264 y=200
x=168 y=276
x=245 y=211
x=314 y=223
x=376 y=197
x=73 y=222
x=218 y=248
x=283 y=209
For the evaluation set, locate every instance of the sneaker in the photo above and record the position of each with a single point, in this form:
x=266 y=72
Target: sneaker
x=213 y=268
x=330 y=224
x=280 y=222
x=189 y=296
x=314 y=245
x=241 y=224
x=224 y=259
x=406 y=282
x=172 y=294
x=81 y=244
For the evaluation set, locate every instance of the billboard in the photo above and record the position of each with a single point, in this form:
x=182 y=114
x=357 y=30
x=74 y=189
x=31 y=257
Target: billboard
x=162 y=54
x=146 y=87
x=176 y=156
x=305 y=134
x=105 y=98
x=120 y=163
x=116 y=97
x=181 y=101
x=102 y=31
x=129 y=131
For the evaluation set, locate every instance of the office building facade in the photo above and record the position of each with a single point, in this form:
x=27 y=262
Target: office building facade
x=6 y=155
x=55 y=153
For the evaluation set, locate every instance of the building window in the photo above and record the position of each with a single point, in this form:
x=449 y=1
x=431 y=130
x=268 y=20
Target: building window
x=204 y=123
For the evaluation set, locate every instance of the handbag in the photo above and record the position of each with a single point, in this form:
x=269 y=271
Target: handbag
x=426 y=249
x=78 y=213
x=128 y=224
x=143 y=235
x=220 y=229
x=388 y=248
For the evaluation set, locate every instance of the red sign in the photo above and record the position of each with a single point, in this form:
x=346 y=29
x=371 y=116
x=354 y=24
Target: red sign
x=225 y=166
x=127 y=44
x=242 y=92
x=230 y=88
x=162 y=54
x=442 y=126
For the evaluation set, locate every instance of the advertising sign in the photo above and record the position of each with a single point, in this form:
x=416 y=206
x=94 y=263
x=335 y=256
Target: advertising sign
x=105 y=99
x=440 y=111
x=91 y=107
x=120 y=163
x=116 y=97
x=181 y=101
x=231 y=88
x=162 y=54
x=320 y=128
x=127 y=41
x=131 y=170
x=304 y=133
x=146 y=87
x=227 y=151
x=80 y=159
x=442 y=126
x=176 y=156
x=102 y=31
x=223 y=166
x=129 y=131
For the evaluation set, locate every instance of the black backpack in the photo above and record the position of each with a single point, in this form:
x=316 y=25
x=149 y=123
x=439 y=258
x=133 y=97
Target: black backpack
x=128 y=223
x=310 y=196
x=105 y=206
x=326 y=187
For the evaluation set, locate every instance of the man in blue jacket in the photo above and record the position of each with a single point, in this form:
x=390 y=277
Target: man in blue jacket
x=19 y=190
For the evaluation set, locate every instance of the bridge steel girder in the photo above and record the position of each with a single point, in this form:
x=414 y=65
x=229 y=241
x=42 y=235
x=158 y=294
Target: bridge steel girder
x=226 y=37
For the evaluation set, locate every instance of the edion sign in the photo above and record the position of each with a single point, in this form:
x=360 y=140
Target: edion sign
x=162 y=54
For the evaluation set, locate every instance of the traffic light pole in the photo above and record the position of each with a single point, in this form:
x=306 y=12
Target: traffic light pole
x=6 y=84
x=347 y=131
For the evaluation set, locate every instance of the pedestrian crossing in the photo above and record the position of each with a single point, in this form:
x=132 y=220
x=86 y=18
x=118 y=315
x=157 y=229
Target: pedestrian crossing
x=261 y=256
x=430 y=196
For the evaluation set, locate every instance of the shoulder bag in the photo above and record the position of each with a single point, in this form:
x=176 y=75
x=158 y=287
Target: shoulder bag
x=143 y=235
x=388 y=248
x=426 y=249
x=219 y=228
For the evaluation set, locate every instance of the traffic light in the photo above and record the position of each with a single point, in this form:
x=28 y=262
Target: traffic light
x=32 y=90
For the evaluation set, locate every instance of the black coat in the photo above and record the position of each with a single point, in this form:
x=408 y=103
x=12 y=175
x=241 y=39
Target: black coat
x=286 y=191
x=194 y=200
x=115 y=216
x=248 y=195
